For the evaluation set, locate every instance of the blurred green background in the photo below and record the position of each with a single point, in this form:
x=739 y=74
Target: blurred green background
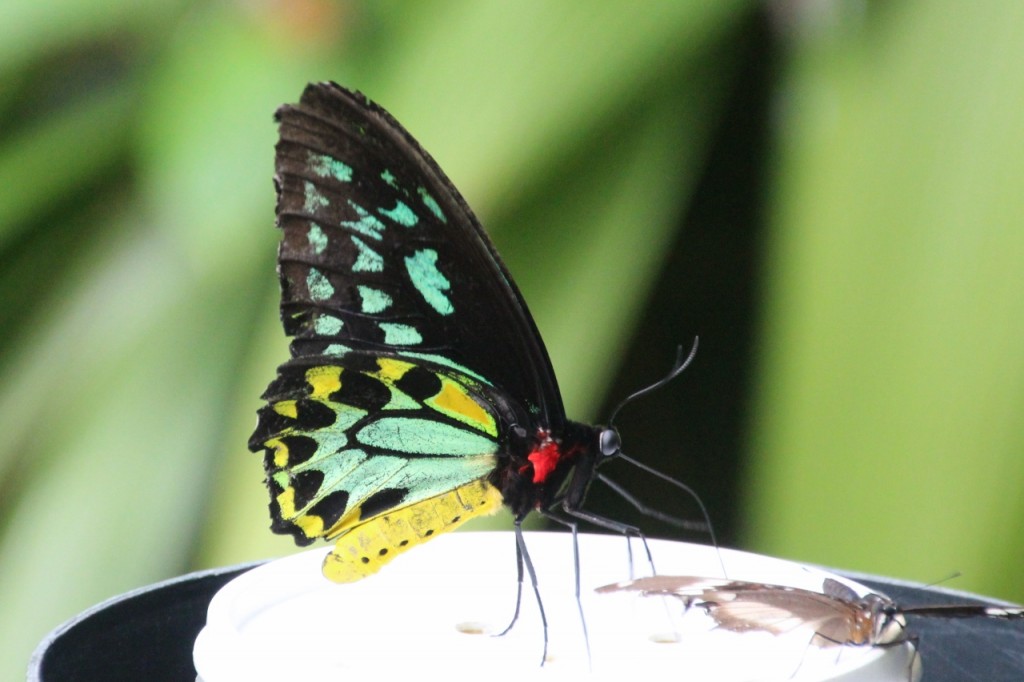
x=828 y=193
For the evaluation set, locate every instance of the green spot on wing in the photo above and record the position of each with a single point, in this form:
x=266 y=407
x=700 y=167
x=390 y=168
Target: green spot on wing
x=389 y=178
x=428 y=280
x=445 y=362
x=328 y=325
x=365 y=476
x=319 y=288
x=397 y=334
x=313 y=198
x=427 y=477
x=332 y=444
x=373 y=300
x=337 y=350
x=401 y=214
x=424 y=437
x=367 y=225
x=368 y=260
x=431 y=204
x=400 y=400
x=326 y=166
x=317 y=238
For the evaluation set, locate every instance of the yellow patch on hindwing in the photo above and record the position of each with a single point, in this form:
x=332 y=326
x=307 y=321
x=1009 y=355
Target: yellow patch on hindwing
x=323 y=381
x=286 y=408
x=391 y=370
x=454 y=400
x=365 y=548
x=280 y=449
x=312 y=525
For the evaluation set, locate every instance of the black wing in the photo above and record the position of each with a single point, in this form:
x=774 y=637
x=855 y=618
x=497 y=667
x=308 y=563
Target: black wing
x=381 y=254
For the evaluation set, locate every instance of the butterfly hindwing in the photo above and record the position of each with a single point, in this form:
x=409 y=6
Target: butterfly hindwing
x=367 y=436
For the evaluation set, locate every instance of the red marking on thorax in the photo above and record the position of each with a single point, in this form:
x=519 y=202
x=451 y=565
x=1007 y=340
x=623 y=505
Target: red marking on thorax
x=544 y=459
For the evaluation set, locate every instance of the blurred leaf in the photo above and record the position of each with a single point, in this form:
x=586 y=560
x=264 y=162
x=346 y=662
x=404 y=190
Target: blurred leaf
x=60 y=152
x=888 y=436
x=525 y=82
x=35 y=30
x=616 y=207
x=136 y=365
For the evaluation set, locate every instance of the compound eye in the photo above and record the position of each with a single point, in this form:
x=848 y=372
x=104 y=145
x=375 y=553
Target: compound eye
x=609 y=442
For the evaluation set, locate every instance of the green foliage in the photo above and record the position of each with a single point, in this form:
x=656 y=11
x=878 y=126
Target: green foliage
x=889 y=434
x=139 y=305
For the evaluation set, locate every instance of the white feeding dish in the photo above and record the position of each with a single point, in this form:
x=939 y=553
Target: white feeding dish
x=433 y=612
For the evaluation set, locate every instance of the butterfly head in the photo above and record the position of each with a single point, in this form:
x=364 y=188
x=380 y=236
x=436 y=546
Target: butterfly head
x=883 y=619
x=609 y=443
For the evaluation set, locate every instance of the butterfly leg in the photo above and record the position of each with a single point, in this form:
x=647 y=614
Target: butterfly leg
x=697 y=526
x=523 y=559
x=574 y=527
x=914 y=669
x=667 y=518
x=614 y=526
x=519 y=588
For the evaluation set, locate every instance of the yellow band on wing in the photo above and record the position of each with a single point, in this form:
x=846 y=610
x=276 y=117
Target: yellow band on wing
x=454 y=400
x=323 y=381
x=364 y=549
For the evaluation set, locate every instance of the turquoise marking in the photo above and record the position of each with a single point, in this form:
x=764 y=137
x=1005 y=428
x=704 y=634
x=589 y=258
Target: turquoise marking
x=424 y=437
x=387 y=177
x=401 y=214
x=282 y=478
x=314 y=199
x=335 y=466
x=428 y=280
x=429 y=202
x=400 y=400
x=370 y=476
x=431 y=476
x=326 y=166
x=368 y=260
x=445 y=362
x=319 y=288
x=367 y=225
x=338 y=349
x=332 y=441
x=373 y=300
x=396 y=334
x=327 y=325
x=317 y=238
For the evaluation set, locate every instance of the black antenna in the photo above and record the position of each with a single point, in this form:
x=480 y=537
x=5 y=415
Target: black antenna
x=647 y=511
x=680 y=364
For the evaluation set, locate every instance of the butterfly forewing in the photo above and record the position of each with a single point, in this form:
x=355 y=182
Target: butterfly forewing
x=381 y=253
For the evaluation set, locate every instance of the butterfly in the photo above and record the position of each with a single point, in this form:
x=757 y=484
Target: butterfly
x=837 y=615
x=419 y=393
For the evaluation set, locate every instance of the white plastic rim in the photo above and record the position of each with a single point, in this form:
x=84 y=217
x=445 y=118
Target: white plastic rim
x=433 y=611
